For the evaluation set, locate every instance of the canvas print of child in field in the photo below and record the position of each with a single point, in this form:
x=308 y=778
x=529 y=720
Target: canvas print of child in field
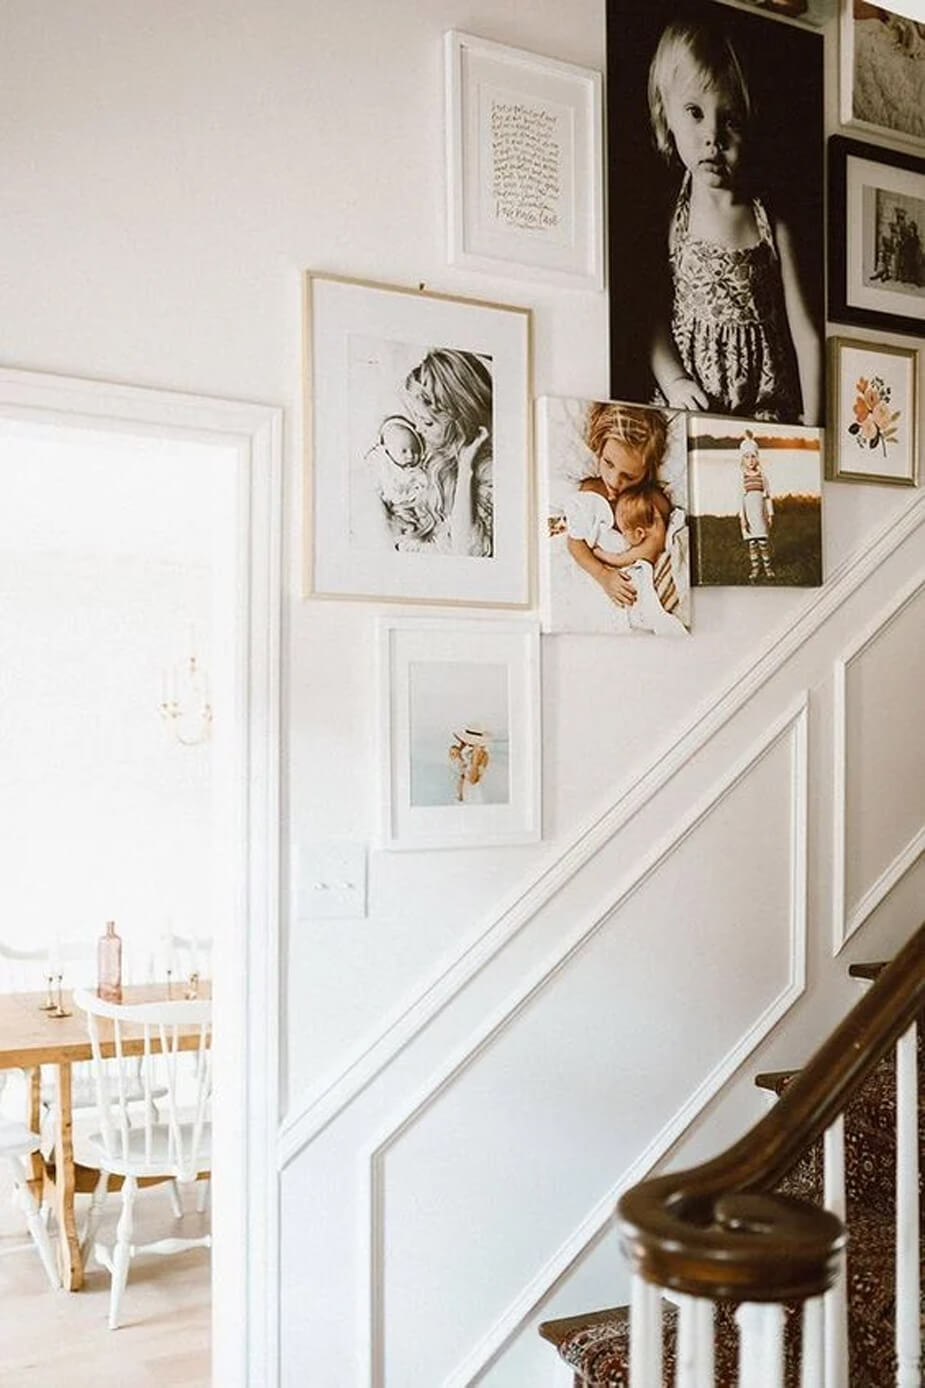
x=756 y=503
x=614 y=543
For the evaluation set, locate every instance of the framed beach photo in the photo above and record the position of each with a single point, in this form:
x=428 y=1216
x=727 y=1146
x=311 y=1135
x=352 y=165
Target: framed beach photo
x=460 y=752
x=873 y=418
x=876 y=247
x=756 y=503
x=417 y=482
x=524 y=164
x=882 y=71
x=716 y=302
x=613 y=541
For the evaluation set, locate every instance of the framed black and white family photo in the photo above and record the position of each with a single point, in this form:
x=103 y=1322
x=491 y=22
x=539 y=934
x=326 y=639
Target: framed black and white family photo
x=417 y=445
x=877 y=242
x=715 y=183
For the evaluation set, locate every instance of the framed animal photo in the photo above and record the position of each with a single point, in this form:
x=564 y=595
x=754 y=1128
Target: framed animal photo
x=882 y=76
x=613 y=542
x=460 y=753
x=873 y=420
x=756 y=503
x=417 y=483
x=715 y=172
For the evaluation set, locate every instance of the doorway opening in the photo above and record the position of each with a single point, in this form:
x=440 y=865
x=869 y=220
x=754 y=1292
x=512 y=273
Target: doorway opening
x=140 y=532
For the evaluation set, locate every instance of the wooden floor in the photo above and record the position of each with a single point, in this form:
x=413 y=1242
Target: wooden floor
x=52 y=1338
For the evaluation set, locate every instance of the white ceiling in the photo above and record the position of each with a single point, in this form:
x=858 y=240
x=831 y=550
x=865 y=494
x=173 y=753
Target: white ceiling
x=84 y=492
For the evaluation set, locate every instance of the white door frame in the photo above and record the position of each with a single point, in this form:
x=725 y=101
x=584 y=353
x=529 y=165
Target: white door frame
x=245 y=1190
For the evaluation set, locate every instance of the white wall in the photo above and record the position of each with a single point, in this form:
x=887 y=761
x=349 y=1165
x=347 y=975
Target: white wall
x=474 y=1069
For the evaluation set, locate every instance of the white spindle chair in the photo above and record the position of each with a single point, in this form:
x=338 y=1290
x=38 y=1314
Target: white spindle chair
x=18 y=1142
x=28 y=971
x=160 y=1137
x=184 y=956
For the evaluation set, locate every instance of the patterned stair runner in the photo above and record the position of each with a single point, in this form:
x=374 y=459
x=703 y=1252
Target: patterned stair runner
x=596 y=1345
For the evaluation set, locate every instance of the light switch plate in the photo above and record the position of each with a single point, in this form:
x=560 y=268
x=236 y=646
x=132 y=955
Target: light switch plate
x=330 y=880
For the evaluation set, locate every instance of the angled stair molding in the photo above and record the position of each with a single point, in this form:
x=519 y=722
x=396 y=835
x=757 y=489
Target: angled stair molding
x=845 y=923
x=320 y=1104
x=791 y=725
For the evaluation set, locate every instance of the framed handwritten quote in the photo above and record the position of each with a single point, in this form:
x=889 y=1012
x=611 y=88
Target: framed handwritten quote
x=524 y=164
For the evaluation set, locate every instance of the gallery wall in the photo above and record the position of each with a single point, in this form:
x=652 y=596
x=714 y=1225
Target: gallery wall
x=476 y=1066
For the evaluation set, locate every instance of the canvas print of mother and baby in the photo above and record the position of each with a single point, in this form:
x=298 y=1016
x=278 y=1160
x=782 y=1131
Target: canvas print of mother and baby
x=614 y=541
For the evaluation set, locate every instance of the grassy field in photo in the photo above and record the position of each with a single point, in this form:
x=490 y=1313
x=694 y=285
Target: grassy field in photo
x=719 y=555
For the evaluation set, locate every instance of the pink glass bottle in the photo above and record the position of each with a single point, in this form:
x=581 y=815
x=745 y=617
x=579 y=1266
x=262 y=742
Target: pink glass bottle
x=109 y=965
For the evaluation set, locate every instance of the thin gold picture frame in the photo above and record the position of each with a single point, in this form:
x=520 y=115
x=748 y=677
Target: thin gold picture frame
x=423 y=317
x=835 y=469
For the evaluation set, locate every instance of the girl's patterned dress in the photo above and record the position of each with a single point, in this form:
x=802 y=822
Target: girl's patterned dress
x=729 y=321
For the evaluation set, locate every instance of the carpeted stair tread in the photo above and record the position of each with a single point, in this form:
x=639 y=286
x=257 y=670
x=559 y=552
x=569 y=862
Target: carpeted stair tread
x=870 y=971
x=557 y=1331
x=870 y=1144
x=596 y=1346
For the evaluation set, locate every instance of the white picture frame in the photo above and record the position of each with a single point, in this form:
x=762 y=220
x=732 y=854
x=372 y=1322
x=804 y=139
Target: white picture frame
x=873 y=416
x=381 y=522
x=881 y=82
x=524 y=164
x=459 y=747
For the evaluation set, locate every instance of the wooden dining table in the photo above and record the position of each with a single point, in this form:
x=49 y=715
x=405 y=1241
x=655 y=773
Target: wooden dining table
x=31 y=1037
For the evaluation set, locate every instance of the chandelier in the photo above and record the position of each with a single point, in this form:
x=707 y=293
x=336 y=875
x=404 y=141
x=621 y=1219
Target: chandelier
x=184 y=706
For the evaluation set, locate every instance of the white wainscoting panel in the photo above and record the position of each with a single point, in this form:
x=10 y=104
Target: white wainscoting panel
x=879 y=759
x=480 y=1194
x=311 y=1111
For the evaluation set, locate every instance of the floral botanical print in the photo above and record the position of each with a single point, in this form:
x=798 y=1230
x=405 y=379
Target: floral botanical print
x=874 y=422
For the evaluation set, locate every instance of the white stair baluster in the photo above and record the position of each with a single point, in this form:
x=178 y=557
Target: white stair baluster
x=645 y=1335
x=695 y=1342
x=836 y=1299
x=812 y=1365
x=907 y=1213
x=761 y=1345
x=563 y=1375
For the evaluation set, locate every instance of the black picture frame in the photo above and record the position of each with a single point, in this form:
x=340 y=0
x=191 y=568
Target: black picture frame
x=852 y=297
x=784 y=65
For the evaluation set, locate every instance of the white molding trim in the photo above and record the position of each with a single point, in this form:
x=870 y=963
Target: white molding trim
x=314 y=1109
x=246 y=1187
x=845 y=922
x=792 y=724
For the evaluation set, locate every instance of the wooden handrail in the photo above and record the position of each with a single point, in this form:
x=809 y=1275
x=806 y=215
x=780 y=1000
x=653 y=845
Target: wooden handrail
x=717 y=1230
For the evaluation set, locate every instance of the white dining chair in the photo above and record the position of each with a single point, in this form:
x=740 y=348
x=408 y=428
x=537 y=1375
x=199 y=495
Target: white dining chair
x=185 y=956
x=168 y=1137
x=29 y=971
x=21 y=971
x=17 y=1144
